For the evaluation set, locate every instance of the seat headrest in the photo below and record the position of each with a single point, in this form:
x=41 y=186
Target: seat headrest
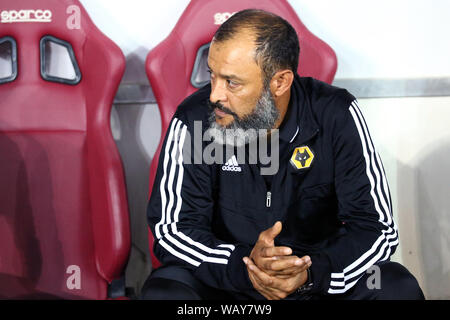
x=28 y=21
x=63 y=62
x=174 y=60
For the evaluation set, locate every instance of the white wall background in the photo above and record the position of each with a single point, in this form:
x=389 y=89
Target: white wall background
x=413 y=138
x=373 y=40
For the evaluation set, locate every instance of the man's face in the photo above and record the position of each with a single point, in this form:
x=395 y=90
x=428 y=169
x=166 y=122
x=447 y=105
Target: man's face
x=236 y=79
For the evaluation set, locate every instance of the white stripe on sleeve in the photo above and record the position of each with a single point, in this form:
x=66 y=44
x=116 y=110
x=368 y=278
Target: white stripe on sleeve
x=185 y=246
x=377 y=183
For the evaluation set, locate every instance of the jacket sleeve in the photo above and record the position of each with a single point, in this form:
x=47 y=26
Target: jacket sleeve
x=368 y=234
x=180 y=213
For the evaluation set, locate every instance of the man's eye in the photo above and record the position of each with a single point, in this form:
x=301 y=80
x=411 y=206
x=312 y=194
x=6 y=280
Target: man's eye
x=232 y=84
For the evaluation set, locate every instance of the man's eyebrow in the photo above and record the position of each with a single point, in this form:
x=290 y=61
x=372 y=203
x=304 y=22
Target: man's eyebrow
x=226 y=76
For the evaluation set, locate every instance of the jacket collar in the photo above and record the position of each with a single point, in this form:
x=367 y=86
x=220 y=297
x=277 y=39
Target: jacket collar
x=307 y=126
x=289 y=127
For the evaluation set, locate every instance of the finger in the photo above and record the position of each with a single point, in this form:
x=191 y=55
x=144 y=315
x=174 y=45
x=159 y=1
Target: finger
x=268 y=292
x=275 y=229
x=273 y=286
x=273 y=292
x=264 y=278
x=264 y=291
x=286 y=273
x=275 y=251
x=291 y=262
x=289 y=272
x=279 y=263
x=307 y=259
x=269 y=235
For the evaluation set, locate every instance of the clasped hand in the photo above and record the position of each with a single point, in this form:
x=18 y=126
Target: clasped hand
x=274 y=272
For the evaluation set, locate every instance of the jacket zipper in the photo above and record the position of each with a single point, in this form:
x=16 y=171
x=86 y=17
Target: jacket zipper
x=269 y=193
x=268 y=199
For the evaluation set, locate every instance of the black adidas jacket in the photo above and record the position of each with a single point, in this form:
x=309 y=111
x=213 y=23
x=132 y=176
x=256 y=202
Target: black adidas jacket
x=337 y=209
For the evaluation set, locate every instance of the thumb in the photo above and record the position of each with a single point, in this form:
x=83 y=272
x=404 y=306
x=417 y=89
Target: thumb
x=275 y=230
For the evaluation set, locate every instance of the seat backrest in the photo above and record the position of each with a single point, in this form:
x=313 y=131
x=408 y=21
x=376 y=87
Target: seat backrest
x=64 y=224
x=172 y=65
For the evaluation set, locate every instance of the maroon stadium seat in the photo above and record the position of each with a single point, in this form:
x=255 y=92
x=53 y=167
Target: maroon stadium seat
x=174 y=67
x=64 y=224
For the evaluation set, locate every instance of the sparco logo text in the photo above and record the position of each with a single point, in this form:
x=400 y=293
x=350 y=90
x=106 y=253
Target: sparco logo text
x=220 y=17
x=25 y=16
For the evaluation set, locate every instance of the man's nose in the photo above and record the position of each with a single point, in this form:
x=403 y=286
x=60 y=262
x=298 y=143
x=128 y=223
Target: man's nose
x=218 y=92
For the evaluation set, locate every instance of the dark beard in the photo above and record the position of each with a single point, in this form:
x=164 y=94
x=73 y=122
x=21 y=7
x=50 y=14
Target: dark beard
x=244 y=130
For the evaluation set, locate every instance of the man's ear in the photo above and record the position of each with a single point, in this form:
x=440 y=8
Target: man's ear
x=281 y=82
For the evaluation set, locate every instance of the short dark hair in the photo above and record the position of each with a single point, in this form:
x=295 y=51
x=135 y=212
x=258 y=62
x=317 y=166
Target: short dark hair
x=277 y=45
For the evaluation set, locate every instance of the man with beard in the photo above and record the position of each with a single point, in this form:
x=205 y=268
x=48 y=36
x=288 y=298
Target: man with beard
x=321 y=227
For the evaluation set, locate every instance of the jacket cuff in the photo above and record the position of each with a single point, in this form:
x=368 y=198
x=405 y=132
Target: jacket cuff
x=320 y=273
x=237 y=270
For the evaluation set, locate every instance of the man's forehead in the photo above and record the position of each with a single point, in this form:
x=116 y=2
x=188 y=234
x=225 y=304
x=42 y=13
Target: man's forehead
x=230 y=52
x=235 y=53
x=244 y=38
